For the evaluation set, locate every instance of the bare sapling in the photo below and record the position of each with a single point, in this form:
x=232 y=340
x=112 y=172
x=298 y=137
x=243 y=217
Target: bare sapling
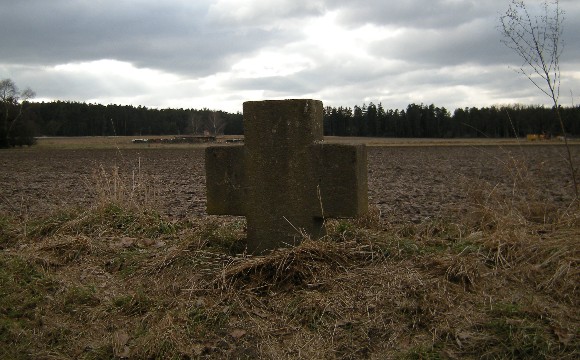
x=537 y=39
x=11 y=98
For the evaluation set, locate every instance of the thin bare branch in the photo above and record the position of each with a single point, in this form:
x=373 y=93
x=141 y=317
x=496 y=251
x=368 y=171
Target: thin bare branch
x=537 y=40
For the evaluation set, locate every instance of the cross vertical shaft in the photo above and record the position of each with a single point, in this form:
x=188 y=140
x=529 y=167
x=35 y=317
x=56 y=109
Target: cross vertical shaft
x=280 y=170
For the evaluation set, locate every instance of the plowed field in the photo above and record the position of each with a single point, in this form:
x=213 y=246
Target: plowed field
x=407 y=183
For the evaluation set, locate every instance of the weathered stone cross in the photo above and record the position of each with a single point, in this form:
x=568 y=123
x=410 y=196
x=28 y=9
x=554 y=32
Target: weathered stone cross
x=285 y=179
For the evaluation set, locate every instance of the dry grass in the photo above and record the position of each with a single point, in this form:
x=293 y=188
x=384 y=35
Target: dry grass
x=118 y=280
x=134 y=188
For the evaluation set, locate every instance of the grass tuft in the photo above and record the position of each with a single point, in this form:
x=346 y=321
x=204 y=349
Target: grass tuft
x=306 y=265
x=110 y=220
x=129 y=189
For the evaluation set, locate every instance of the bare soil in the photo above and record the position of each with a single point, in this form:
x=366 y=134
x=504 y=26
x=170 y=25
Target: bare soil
x=409 y=183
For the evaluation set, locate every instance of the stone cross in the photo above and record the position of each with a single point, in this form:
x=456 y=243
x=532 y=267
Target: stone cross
x=285 y=180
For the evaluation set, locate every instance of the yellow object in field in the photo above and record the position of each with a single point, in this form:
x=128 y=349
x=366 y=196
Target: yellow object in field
x=533 y=137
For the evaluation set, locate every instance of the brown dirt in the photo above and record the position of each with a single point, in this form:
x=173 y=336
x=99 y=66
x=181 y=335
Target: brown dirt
x=406 y=183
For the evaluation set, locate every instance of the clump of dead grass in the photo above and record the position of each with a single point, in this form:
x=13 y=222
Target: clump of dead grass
x=523 y=233
x=306 y=265
x=9 y=231
x=106 y=220
x=132 y=188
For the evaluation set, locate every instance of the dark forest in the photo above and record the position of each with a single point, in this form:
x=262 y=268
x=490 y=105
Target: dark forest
x=64 y=118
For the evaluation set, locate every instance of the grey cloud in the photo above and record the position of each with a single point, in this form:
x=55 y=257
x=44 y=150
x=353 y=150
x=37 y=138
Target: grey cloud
x=415 y=13
x=259 y=13
x=475 y=43
x=160 y=35
x=447 y=31
x=283 y=84
x=326 y=75
x=67 y=86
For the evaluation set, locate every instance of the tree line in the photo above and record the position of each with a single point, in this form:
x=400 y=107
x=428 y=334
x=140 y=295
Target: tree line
x=68 y=118
x=430 y=121
x=65 y=118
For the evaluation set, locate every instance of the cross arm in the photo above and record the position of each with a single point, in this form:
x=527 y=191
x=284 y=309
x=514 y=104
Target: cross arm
x=342 y=180
x=225 y=180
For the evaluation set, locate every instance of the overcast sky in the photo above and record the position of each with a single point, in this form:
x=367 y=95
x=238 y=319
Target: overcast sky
x=220 y=53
